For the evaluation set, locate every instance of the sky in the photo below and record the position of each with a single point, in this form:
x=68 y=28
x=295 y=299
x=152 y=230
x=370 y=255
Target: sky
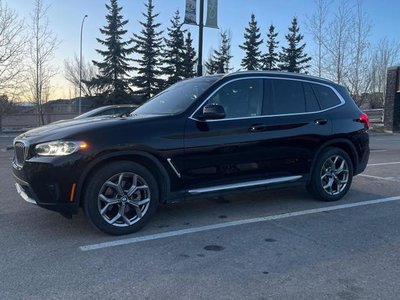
x=65 y=17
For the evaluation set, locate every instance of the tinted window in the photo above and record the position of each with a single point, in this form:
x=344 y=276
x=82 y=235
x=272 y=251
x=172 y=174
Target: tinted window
x=311 y=99
x=288 y=97
x=326 y=96
x=240 y=98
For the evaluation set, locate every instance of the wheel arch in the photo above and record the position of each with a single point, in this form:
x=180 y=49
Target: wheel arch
x=344 y=144
x=145 y=159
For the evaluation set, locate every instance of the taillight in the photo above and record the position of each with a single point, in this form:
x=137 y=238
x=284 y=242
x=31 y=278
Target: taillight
x=364 y=119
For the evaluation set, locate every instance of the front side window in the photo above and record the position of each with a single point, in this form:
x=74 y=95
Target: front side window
x=240 y=98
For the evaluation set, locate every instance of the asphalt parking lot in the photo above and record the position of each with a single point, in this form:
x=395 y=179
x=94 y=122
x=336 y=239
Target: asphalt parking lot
x=278 y=244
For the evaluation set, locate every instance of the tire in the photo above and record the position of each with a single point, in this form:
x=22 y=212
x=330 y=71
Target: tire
x=121 y=198
x=331 y=176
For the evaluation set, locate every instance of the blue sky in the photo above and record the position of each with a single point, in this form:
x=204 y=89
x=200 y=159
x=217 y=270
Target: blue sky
x=66 y=16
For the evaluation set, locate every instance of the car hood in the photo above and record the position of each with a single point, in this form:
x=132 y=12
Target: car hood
x=67 y=128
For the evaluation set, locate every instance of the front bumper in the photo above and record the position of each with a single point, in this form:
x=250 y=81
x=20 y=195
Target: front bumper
x=23 y=194
x=48 y=183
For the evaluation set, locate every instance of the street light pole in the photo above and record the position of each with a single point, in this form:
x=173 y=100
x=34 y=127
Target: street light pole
x=80 y=69
x=200 y=53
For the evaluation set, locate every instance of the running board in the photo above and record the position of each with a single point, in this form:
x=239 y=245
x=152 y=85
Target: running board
x=243 y=185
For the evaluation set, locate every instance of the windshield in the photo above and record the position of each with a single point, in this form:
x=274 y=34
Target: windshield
x=178 y=97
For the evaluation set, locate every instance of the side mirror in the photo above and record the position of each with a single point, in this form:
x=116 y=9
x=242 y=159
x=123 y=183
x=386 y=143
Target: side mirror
x=212 y=112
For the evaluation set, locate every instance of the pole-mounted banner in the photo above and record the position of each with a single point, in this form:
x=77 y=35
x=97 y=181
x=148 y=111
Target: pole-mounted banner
x=212 y=14
x=190 y=13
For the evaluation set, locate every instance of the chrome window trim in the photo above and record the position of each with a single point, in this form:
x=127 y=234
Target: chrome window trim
x=342 y=101
x=244 y=184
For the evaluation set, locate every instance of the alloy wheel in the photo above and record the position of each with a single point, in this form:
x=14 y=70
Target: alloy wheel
x=123 y=199
x=334 y=175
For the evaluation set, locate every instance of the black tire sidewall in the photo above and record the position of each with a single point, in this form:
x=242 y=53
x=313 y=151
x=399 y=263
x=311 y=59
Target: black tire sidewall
x=315 y=186
x=95 y=184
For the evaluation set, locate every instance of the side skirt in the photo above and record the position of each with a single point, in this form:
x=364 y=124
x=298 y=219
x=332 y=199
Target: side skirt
x=248 y=184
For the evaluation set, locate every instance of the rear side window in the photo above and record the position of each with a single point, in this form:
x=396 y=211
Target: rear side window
x=327 y=98
x=311 y=99
x=288 y=97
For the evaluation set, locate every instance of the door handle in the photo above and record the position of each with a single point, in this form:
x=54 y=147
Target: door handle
x=257 y=127
x=321 y=121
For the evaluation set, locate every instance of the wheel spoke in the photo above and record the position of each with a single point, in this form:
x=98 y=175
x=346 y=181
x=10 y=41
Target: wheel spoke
x=119 y=185
x=108 y=200
x=138 y=212
x=341 y=168
x=121 y=210
x=329 y=184
x=132 y=190
x=144 y=201
x=133 y=203
x=338 y=185
x=111 y=184
x=115 y=219
x=335 y=161
x=104 y=209
x=142 y=187
x=331 y=163
x=126 y=220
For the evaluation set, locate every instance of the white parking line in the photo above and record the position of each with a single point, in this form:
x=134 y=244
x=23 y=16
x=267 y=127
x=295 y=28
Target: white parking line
x=384 y=164
x=395 y=179
x=231 y=224
x=382 y=150
x=389 y=140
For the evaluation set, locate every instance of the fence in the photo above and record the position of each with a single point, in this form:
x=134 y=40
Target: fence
x=375 y=115
x=21 y=122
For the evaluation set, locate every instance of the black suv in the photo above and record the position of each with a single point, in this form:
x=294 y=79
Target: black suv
x=203 y=136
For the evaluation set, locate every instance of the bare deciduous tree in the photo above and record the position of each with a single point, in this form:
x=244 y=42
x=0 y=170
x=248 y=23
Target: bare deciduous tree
x=42 y=47
x=337 y=43
x=12 y=49
x=359 y=78
x=384 y=55
x=71 y=74
x=316 y=25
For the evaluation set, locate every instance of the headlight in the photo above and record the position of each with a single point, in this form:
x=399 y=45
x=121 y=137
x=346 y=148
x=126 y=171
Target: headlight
x=59 y=148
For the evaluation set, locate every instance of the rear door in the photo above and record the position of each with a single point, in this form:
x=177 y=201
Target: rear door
x=295 y=126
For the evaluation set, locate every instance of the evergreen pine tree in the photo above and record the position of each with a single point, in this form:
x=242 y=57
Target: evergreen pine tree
x=219 y=60
x=148 y=46
x=174 y=53
x=271 y=58
x=212 y=64
x=113 y=70
x=189 y=58
x=293 y=58
x=252 y=60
